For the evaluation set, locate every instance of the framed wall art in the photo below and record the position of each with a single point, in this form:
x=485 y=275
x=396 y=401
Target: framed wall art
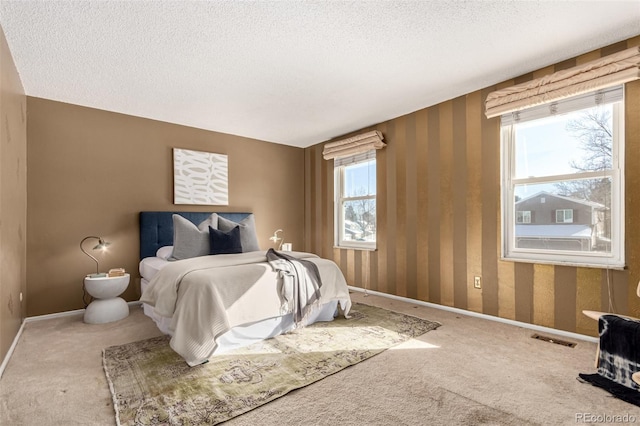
x=200 y=178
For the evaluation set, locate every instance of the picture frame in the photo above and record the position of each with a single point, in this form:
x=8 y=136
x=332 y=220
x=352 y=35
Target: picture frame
x=200 y=178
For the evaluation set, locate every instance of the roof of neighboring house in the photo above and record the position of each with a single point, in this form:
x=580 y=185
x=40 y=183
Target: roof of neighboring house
x=554 y=231
x=574 y=200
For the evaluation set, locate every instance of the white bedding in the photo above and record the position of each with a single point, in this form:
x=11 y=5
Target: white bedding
x=244 y=335
x=223 y=325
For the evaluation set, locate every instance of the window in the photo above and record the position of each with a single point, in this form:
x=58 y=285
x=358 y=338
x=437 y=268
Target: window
x=355 y=179
x=523 y=217
x=563 y=181
x=564 y=216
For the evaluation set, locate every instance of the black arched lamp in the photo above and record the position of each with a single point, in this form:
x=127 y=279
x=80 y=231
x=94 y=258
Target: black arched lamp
x=102 y=245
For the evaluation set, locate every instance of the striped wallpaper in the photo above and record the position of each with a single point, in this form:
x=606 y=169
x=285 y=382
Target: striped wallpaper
x=438 y=210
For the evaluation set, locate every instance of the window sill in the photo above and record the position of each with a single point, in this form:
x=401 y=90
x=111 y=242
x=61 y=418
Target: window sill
x=356 y=248
x=614 y=266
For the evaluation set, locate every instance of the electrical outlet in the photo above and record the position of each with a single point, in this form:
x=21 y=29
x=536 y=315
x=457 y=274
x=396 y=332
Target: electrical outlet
x=476 y=282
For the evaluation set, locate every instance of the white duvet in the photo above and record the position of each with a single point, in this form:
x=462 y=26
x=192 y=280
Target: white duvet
x=207 y=296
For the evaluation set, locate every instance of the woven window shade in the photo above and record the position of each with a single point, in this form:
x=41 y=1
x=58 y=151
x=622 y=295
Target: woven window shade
x=611 y=70
x=354 y=145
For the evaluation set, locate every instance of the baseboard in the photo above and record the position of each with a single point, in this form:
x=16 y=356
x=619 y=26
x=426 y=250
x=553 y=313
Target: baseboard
x=56 y=315
x=67 y=313
x=7 y=357
x=527 y=325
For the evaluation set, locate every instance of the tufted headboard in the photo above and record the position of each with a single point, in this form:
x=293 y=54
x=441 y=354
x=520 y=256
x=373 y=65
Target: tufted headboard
x=156 y=228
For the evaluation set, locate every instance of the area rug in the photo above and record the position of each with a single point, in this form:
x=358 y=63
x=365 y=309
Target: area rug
x=150 y=384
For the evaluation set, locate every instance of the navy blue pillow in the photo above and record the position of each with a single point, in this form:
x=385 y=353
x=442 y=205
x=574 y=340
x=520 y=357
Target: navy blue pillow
x=225 y=242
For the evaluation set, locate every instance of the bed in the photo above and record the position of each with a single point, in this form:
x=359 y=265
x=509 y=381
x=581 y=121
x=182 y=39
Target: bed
x=211 y=304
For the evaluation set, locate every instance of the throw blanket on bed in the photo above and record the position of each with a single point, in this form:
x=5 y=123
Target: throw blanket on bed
x=207 y=296
x=619 y=349
x=300 y=283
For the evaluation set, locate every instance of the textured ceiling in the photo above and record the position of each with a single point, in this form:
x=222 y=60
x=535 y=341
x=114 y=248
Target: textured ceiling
x=293 y=72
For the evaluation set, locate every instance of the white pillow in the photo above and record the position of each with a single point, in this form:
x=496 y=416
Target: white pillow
x=190 y=240
x=248 y=235
x=164 y=252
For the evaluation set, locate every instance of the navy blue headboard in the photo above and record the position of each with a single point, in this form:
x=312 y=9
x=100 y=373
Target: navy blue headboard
x=156 y=228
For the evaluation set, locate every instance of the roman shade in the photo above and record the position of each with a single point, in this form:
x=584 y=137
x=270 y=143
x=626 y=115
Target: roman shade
x=586 y=100
x=354 y=145
x=615 y=69
x=361 y=157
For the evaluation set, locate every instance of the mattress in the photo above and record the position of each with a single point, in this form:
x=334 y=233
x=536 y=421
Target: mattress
x=150 y=266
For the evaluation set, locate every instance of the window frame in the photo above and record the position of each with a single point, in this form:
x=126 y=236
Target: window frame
x=340 y=199
x=615 y=259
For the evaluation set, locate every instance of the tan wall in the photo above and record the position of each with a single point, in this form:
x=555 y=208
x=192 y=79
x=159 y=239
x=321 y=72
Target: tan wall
x=13 y=198
x=439 y=218
x=91 y=172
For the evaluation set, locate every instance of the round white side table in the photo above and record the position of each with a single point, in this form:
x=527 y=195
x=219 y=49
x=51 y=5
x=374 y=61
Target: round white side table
x=107 y=306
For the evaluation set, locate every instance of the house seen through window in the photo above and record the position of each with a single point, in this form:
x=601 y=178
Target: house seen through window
x=563 y=183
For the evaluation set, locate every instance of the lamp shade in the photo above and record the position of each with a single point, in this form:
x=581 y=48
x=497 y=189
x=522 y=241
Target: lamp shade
x=102 y=244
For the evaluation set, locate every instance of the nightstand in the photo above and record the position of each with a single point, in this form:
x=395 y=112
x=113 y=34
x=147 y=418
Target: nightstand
x=107 y=306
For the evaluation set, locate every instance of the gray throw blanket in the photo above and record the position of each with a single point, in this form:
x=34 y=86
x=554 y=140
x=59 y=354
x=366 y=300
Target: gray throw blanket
x=300 y=283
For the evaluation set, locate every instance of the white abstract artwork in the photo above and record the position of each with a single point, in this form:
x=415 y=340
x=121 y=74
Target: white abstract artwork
x=200 y=178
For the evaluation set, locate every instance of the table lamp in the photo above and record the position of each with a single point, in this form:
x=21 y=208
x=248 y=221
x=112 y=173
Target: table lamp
x=275 y=238
x=102 y=245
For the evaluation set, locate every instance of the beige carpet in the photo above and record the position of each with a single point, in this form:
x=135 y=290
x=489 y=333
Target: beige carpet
x=468 y=371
